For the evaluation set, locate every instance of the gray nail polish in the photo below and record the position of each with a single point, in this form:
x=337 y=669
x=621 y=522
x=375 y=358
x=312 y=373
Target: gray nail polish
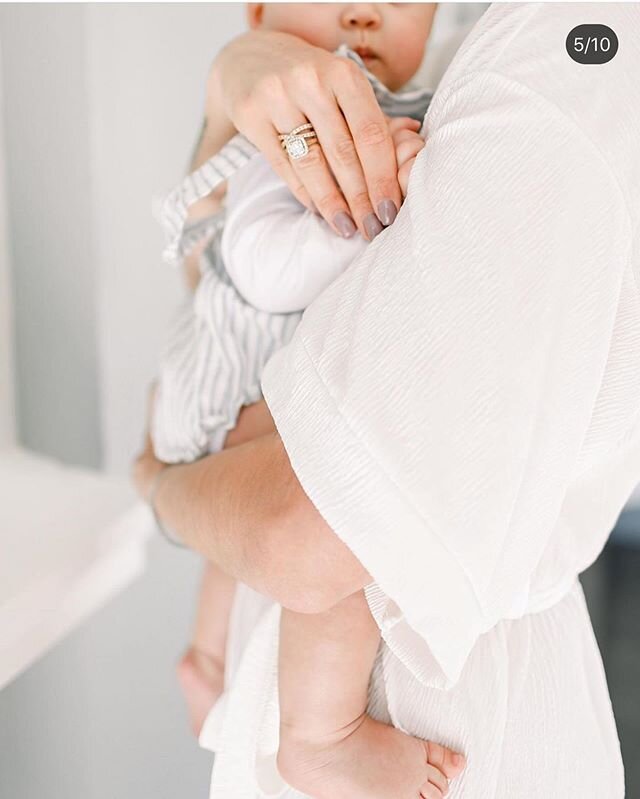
x=387 y=212
x=372 y=226
x=344 y=224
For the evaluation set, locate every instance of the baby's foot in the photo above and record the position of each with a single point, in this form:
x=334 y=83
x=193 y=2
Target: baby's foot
x=372 y=761
x=201 y=677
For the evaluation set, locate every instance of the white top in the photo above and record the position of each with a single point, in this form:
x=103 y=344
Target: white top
x=279 y=255
x=462 y=406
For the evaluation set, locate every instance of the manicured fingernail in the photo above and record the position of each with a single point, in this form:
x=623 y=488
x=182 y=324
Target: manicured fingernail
x=344 y=224
x=372 y=226
x=387 y=212
x=458 y=760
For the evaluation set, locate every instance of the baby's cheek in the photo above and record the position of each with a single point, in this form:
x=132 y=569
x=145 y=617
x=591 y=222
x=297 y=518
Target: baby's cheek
x=408 y=58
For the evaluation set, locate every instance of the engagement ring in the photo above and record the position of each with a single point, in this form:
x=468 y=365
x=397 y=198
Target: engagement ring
x=297 y=141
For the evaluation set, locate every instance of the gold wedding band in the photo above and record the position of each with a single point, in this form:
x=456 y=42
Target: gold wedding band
x=297 y=141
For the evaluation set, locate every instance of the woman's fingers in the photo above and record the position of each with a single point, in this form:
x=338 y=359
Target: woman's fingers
x=315 y=174
x=309 y=178
x=353 y=173
x=312 y=173
x=370 y=134
x=341 y=156
x=265 y=138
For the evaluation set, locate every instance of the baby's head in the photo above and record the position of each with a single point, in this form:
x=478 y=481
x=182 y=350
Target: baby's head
x=389 y=37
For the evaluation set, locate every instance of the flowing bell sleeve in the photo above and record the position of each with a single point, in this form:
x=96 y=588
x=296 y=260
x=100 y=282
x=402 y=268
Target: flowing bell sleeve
x=434 y=399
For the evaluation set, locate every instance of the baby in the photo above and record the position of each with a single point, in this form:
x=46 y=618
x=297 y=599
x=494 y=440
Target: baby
x=267 y=260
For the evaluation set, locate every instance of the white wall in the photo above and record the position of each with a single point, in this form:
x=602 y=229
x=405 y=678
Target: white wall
x=7 y=408
x=51 y=243
x=146 y=70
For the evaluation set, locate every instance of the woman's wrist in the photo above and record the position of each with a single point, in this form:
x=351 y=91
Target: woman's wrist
x=152 y=501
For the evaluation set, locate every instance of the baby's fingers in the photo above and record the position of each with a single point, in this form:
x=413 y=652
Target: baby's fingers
x=407 y=145
x=403 y=176
x=402 y=123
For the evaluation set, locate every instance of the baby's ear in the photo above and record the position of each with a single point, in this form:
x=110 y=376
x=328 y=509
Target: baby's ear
x=254 y=15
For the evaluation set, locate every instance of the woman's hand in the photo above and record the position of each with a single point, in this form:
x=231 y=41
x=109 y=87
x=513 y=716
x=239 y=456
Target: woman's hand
x=266 y=83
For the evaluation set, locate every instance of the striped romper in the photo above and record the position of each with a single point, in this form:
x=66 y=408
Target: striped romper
x=220 y=342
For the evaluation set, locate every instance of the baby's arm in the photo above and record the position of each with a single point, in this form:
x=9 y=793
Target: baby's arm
x=279 y=255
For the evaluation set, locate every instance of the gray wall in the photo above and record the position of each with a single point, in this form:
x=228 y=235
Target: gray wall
x=100 y=717
x=51 y=244
x=102 y=106
x=7 y=399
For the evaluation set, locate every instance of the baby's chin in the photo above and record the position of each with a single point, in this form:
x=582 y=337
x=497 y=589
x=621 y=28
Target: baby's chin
x=379 y=68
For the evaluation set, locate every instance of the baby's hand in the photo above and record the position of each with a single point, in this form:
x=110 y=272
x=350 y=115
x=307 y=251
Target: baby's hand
x=201 y=678
x=408 y=143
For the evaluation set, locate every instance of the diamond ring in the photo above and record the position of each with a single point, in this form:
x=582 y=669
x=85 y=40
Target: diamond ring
x=297 y=141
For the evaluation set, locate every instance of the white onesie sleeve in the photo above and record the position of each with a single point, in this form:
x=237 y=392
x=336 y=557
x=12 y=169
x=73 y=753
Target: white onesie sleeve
x=279 y=255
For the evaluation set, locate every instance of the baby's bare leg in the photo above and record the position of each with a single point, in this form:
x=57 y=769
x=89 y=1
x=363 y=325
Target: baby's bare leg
x=325 y=664
x=329 y=747
x=201 y=668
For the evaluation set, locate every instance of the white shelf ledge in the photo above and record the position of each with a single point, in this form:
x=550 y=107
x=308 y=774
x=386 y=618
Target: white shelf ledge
x=70 y=539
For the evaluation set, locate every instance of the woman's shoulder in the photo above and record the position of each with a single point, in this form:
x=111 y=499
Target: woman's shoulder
x=518 y=52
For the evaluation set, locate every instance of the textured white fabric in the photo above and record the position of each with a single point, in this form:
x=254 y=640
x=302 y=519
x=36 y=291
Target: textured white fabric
x=462 y=405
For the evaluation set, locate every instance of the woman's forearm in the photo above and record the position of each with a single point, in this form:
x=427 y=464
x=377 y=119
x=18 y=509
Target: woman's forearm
x=245 y=510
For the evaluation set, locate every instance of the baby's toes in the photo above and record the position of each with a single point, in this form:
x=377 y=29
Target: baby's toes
x=430 y=791
x=436 y=786
x=447 y=761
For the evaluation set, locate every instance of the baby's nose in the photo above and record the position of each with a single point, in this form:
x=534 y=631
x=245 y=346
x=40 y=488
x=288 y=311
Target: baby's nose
x=361 y=15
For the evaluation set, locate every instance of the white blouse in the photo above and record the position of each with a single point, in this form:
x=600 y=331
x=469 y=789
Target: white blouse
x=462 y=406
